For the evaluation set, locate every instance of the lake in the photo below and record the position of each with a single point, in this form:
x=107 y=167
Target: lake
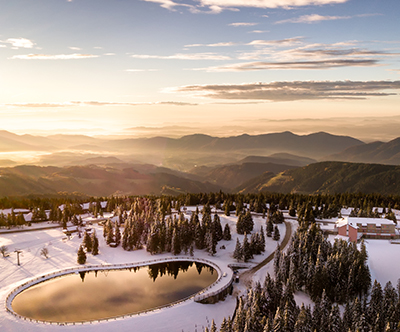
x=103 y=294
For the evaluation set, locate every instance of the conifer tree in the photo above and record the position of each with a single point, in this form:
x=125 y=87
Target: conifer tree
x=270 y=228
x=81 y=255
x=95 y=244
x=227 y=233
x=277 y=235
x=117 y=235
x=238 y=253
x=87 y=242
x=247 y=252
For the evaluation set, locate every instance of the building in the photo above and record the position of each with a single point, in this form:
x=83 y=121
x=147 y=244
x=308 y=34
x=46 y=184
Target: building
x=372 y=228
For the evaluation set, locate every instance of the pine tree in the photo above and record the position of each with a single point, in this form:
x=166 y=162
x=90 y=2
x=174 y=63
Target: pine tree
x=277 y=235
x=210 y=243
x=247 y=252
x=213 y=326
x=238 y=253
x=95 y=242
x=227 y=233
x=87 y=242
x=81 y=255
x=262 y=240
x=270 y=228
x=176 y=242
x=117 y=235
x=110 y=234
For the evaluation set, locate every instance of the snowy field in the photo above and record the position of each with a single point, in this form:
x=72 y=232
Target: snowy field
x=186 y=316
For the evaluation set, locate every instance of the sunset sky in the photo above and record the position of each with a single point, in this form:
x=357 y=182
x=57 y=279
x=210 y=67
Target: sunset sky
x=221 y=67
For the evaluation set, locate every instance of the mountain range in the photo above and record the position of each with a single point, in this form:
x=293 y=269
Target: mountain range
x=281 y=162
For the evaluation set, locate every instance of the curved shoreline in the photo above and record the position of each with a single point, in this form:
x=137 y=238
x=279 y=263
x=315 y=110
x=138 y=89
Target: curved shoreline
x=199 y=295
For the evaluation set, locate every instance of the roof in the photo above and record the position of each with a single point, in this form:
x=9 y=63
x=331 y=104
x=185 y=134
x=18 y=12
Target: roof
x=353 y=221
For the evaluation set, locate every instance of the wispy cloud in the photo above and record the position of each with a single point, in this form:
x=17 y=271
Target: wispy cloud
x=315 y=18
x=291 y=91
x=221 y=44
x=281 y=42
x=242 y=24
x=74 y=48
x=267 y=3
x=40 y=105
x=217 y=6
x=294 y=65
x=20 y=43
x=54 y=56
x=184 y=56
x=320 y=51
x=95 y=103
x=169 y=4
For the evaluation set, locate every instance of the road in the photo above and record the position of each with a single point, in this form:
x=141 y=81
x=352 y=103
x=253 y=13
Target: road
x=247 y=276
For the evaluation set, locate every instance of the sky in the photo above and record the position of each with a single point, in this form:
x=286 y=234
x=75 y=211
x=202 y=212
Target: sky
x=219 y=67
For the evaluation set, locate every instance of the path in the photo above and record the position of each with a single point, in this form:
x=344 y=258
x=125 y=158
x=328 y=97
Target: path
x=247 y=276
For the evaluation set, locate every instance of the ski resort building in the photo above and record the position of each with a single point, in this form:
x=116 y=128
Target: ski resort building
x=373 y=228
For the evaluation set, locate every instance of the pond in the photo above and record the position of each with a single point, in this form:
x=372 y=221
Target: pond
x=103 y=294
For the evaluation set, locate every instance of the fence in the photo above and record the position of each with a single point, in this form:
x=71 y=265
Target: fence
x=60 y=273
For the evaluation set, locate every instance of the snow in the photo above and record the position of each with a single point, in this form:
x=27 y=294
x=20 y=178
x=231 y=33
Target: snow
x=383 y=259
x=185 y=316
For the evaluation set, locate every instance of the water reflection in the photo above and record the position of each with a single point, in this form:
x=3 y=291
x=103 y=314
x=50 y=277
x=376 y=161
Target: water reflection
x=109 y=293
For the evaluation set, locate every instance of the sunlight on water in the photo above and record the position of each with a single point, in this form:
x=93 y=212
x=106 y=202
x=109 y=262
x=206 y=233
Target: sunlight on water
x=102 y=294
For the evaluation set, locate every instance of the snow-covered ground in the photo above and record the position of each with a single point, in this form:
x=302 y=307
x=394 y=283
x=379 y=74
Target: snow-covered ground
x=186 y=316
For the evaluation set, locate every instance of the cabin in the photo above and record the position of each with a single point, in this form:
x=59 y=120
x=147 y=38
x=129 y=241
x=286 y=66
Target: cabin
x=371 y=228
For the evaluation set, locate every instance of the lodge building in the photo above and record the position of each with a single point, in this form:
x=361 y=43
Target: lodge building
x=372 y=228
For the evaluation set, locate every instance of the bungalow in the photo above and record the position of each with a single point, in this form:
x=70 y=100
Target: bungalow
x=373 y=228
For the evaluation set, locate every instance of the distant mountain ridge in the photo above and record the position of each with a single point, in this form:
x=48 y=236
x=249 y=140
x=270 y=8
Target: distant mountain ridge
x=329 y=177
x=313 y=145
x=376 y=152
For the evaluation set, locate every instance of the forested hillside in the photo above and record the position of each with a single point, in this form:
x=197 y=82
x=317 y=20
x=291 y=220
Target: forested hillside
x=330 y=177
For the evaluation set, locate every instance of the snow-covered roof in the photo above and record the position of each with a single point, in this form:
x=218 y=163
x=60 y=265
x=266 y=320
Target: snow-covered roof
x=354 y=221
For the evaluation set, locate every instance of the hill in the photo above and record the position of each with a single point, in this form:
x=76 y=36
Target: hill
x=330 y=178
x=376 y=152
x=96 y=181
x=279 y=158
x=231 y=176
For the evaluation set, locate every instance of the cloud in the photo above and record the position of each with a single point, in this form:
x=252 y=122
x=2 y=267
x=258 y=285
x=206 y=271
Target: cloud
x=20 y=42
x=293 y=65
x=95 y=104
x=169 y=4
x=242 y=24
x=54 y=56
x=283 y=42
x=267 y=3
x=222 y=44
x=184 y=56
x=74 y=48
x=259 y=31
x=40 y=105
x=296 y=90
x=315 y=18
x=331 y=51
x=217 y=6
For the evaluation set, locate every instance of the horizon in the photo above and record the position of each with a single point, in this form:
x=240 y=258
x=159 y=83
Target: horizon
x=221 y=68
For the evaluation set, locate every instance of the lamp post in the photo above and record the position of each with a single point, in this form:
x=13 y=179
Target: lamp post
x=18 y=252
